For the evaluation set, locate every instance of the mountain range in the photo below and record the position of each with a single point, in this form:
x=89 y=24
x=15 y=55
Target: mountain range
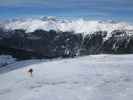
x=50 y=37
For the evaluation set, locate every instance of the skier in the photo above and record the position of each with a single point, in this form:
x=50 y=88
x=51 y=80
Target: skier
x=30 y=71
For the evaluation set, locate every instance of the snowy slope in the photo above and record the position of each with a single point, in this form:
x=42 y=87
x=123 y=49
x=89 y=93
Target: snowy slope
x=61 y=24
x=6 y=59
x=97 y=77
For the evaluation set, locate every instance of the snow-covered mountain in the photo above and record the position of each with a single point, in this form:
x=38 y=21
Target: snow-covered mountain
x=61 y=24
x=97 y=77
x=58 y=37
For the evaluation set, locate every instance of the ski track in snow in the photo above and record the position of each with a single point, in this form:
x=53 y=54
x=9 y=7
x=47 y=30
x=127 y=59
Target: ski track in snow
x=96 y=77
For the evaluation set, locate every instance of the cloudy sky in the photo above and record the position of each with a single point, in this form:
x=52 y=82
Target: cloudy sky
x=91 y=9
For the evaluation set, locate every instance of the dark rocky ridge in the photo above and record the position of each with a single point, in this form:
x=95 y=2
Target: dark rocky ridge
x=52 y=44
x=39 y=44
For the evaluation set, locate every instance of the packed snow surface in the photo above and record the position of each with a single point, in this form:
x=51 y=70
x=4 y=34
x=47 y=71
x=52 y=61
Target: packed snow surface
x=97 y=77
x=61 y=24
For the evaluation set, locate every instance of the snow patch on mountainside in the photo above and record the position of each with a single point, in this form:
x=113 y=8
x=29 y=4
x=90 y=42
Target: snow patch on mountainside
x=97 y=77
x=58 y=24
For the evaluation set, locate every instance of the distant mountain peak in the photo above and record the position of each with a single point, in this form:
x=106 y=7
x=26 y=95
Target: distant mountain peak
x=62 y=24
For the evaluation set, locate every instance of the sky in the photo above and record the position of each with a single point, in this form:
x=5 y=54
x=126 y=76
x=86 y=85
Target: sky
x=90 y=9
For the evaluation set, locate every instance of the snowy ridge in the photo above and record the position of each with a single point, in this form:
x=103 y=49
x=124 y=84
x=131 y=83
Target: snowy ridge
x=97 y=77
x=60 y=24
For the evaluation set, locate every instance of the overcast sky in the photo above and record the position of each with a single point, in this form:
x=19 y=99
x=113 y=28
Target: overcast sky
x=91 y=9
